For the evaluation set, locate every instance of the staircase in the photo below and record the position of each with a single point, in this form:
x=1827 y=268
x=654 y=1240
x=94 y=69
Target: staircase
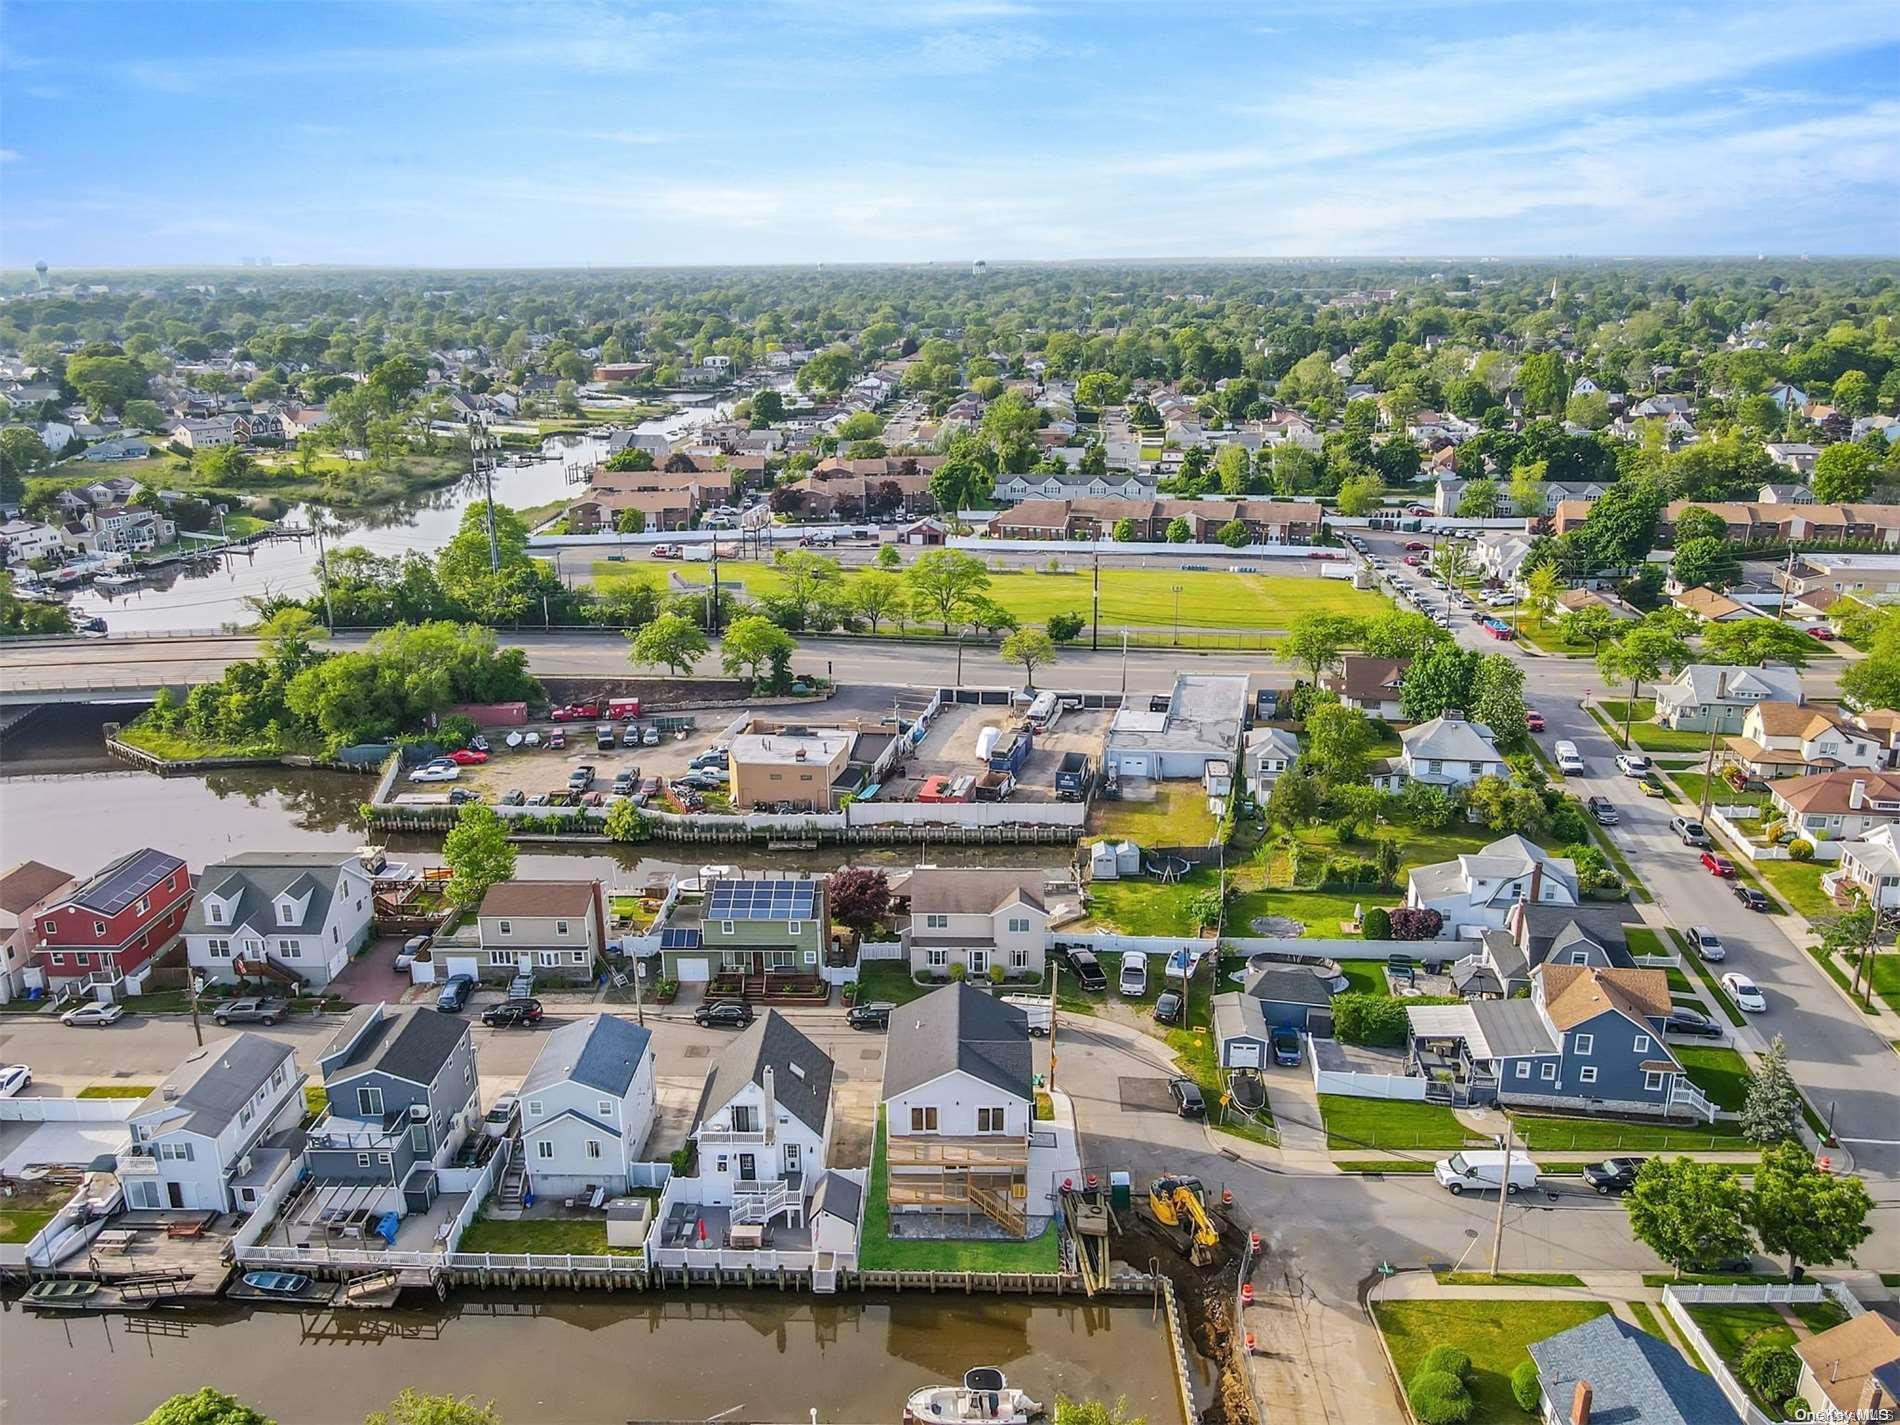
x=1001 y=1209
x=762 y=1207
x=1684 y=1094
x=513 y=1185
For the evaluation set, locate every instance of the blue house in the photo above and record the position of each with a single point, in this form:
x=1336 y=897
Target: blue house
x=1607 y=1372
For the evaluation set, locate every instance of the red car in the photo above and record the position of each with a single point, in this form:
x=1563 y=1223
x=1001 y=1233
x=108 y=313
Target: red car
x=1414 y=547
x=1533 y=719
x=1822 y=632
x=468 y=757
x=1717 y=865
x=576 y=712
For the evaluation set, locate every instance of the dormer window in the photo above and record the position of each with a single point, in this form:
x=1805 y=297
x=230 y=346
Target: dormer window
x=286 y=912
x=214 y=912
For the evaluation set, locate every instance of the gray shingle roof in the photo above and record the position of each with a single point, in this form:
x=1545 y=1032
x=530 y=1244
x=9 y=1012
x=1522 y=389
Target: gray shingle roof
x=1292 y=984
x=213 y=1084
x=257 y=878
x=801 y=1071
x=411 y=1043
x=1635 y=1379
x=837 y=1195
x=1512 y=1026
x=959 y=1027
x=602 y=1052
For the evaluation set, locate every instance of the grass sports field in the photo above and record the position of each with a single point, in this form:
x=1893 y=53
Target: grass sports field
x=1131 y=598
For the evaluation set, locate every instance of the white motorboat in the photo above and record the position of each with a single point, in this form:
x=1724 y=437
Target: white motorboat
x=117 y=581
x=984 y=1396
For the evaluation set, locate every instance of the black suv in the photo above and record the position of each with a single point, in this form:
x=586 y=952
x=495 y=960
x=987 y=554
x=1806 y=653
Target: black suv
x=870 y=1016
x=1750 y=897
x=1188 y=1101
x=512 y=1012
x=724 y=1014
x=1613 y=1174
x=1693 y=1023
x=1089 y=973
x=1168 y=1008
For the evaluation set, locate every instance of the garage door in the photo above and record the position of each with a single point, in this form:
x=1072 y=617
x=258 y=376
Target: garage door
x=1243 y=1054
x=1133 y=766
x=694 y=971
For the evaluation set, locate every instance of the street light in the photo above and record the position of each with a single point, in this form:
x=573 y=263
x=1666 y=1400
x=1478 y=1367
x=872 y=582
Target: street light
x=1177 y=615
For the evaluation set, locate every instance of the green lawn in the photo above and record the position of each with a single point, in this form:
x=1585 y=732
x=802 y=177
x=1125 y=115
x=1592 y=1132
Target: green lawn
x=1545 y=634
x=1147 y=907
x=1388 y=1123
x=1646 y=1318
x=1131 y=598
x=23 y=1224
x=1886 y=978
x=1646 y=734
x=1718 y=1071
x=1644 y=941
x=1320 y=912
x=889 y=981
x=551 y=1236
x=1818 y=1316
x=1365 y=977
x=1732 y=1329
x=1509 y=1279
x=878 y=1251
x=1542 y=1133
x=1799 y=884
x=1496 y=1334
x=1691 y=784
x=178 y=747
x=116 y=1091
x=1178 y=816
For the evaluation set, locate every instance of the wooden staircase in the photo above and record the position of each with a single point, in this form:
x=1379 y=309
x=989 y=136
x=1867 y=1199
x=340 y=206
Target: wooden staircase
x=513 y=1185
x=1001 y=1209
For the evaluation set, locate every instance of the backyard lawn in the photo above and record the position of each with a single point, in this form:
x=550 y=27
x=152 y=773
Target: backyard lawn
x=1178 y=816
x=23 y=1224
x=1732 y=1329
x=551 y=1236
x=1691 y=783
x=878 y=1251
x=1646 y=733
x=1799 y=884
x=1390 y=1123
x=1495 y=1334
x=1145 y=907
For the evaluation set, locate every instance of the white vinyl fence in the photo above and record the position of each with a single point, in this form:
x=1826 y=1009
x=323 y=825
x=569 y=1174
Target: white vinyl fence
x=66 y=1110
x=1362 y=1085
x=1678 y=1299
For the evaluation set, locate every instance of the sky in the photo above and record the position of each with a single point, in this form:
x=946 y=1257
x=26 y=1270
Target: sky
x=570 y=133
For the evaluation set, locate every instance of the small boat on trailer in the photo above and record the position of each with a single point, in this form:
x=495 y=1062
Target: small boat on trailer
x=984 y=1396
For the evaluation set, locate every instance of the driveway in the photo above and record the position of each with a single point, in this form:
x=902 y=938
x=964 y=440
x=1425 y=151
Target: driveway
x=372 y=977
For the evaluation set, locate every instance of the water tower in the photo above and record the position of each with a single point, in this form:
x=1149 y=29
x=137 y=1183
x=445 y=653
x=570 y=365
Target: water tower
x=979 y=267
x=40 y=267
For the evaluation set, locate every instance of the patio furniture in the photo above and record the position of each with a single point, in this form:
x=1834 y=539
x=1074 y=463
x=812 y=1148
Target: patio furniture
x=117 y=1242
x=589 y=1199
x=188 y=1230
x=746 y=1236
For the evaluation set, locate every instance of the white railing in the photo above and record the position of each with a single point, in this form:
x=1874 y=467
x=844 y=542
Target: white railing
x=1682 y=1092
x=1657 y=962
x=750 y=1205
x=765 y=1260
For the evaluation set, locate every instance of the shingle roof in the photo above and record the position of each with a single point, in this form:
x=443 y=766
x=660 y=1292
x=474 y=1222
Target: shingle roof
x=256 y=878
x=1367 y=680
x=1451 y=740
x=959 y=1027
x=801 y=1071
x=1289 y=984
x=214 y=1083
x=1635 y=1378
x=1511 y=1026
x=971 y=892
x=29 y=883
x=1575 y=993
x=1843 y=1356
x=838 y=1195
x=1832 y=792
x=539 y=898
x=411 y=1043
x=601 y=1052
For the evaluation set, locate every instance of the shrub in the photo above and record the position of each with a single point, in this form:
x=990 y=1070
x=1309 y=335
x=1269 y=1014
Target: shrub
x=1448 y=1359
x=998 y=974
x=1526 y=1389
x=1801 y=849
x=1377 y=925
x=682 y=1161
x=1439 y=1398
x=1411 y=924
x=1771 y=1370
x=959 y=970
x=1429 y=807
x=1369 y=1019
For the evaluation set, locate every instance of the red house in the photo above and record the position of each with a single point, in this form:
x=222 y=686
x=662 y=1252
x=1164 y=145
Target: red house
x=110 y=929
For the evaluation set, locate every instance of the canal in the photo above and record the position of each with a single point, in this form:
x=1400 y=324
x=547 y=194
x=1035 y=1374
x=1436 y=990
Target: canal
x=557 y=1359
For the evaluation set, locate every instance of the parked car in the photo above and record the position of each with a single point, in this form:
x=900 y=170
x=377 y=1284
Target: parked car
x=411 y=948
x=1168 y=1008
x=1603 y=809
x=1744 y=991
x=649 y=789
x=1569 y=760
x=514 y=798
x=1690 y=831
x=630 y=735
x=1613 y=1174
x=1717 y=864
x=13 y=1078
x=1706 y=943
x=455 y=992
x=581 y=778
x=499 y=1121
x=625 y=781
x=1533 y=719
x=557 y=738
x=1188 y=1101
x=875 y=1015
x=724 y=1014
x=438 y=771
x=1133 y=979
x=468 y=757
x=512 y=1012
x=254 y=1009
x=1632 y=764
x=604 y=737
x=1822 y=632
x=93 y=1016
x=650 y=737
x=1286 y=1046
x=1693 y=1023
x=1750 y=897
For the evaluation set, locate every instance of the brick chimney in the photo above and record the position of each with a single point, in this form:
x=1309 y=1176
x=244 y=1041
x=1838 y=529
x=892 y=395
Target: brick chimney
x=1873 y=1400
x=1721 y=684
x=1856 y=793
x=1537 y=880
x=1580 y=1404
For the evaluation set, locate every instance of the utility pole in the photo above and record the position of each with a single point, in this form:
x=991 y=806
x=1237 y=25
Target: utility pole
x=1055 y=986
x=1504 y=1192
x=1787 y=577
x=639 y=1008
x=478 y=442
x=712 y=609
x=1708 y=763
x=197 y=985
x=1124 y=663
x=1095 y=618
x=317 y=518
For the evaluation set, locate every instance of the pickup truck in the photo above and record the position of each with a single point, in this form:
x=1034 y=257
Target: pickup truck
x=253 y=1010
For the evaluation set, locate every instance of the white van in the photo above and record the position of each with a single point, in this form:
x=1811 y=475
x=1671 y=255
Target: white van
x=1569 y=760
x=1134 y=976
x=1483 y=1171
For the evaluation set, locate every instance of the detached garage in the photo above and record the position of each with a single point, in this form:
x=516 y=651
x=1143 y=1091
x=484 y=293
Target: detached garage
x=1240 y=1031
x=1291 y=997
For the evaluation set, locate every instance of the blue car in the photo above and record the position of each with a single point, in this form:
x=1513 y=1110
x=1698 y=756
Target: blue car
x=1286 y=1047
x=455 y=992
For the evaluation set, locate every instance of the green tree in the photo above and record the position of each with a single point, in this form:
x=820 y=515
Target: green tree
x=21 y=453
x=1750 y=642
x=1528 y=495
x=1315 y=639
x=1505 y=807
x=1542 y=586
x=633 y=458
x=106 y=383
x=670 y=641
x=1101 y=388
x=1400 y=633
x=768 y=407
x=1030 y=647
x=1497 y=700
x=630 y=522
x=413 y=1407
x=1124 y=531
x=1478 y=500
x=1360 y=495
x=826 y=375
x=1234 y=471
x=1640 y=655
x=143 y=415
x=888 y=557
x=1772 y=1111
x=1179 y=531
x=1688 y=1213
x=1590 y=410
x=754 y=644
x=1294 y=800
x=1338 y=744
x=1698 y=523
x=1234 y=534
x=1592 y=624
x=875 y=595
x=478 y=851
x=206 y=1406
x=1541 y=379
x=1705 y=563
x=1854 y=393
x=1066 y=626
x=624 y=822
x=1844 y=473
x=1439 y=681
x=1811 y=1217
x=806 y=579
x=942 y=581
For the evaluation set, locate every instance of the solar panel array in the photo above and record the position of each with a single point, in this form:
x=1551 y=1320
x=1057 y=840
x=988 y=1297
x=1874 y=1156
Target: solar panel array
x=126 y=882
x=762 y=900
x=679 y=938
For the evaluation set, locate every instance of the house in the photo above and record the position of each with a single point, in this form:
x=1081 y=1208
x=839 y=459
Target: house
x=1200 y=721
x=1608 y=1372
x=1291 y=997
x=553 y=930
x=1798 y=456
x=763 y=1125
x=292 y=916
x=1501 y=965
x=25 y=890
x=587 y=1106
x=1501 y=555
x=210 y=432
x=119 y=447
x=959 y=1101
x=203 y=1139
x=1872 y=864
x=1266 y=521
x=402 y=1095
x=104 y=936
x=1372 y=685
x=1073 y=484
x=1870 y=577
x=1842 y=806
x=1785 y=494
x=1571 y=600
x=1767 y=522
x=1705 y=603
x=1242 y=1037
x=1705 y=694
x=1854 y=1367
x=1269 y=752
x=1480 y=888
x=751 y=926
x=27 y=540
x=1789 y=740
x=979 y=919
x=1449 y=751
x=798 y=766
x=127 y=529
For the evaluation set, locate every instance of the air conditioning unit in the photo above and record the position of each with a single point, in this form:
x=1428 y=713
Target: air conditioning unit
x=419 y=1112
x=243 y=1166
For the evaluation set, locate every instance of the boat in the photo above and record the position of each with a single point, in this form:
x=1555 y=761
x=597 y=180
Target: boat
x=61 y=1295
x=278 y=1283
x=117 y=581
x=984 y=1396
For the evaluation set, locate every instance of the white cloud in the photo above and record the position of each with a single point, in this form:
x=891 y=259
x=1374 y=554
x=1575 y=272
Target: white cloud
x=9 y=155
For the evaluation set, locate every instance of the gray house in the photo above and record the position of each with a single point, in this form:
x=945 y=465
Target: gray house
x=402 y=1097
x=1608 y=1371
x=1705 y=692
x=1501 y=966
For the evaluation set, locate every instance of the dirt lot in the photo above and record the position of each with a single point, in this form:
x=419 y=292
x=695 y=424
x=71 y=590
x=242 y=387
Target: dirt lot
x=950 y=749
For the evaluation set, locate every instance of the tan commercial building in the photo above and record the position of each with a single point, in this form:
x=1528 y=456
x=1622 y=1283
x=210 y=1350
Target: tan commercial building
x=799 y=765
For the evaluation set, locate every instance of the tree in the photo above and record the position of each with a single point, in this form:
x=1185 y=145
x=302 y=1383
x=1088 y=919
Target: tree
x=943 y=581
x=1505 y=807
x=1854 y=393
x=1428 y=807
x=1399 y=633
x=1439 y=681
x=1294 y=800
x=1094 y=458
x=413 y=1407
x=1124 y=531
x=1179 y=531
x=624 y=822
x=806 y=578
x=888 y=557
x=1640 y=656
x=1030 y=647
x=860 y=897
x=1338 y=744
x=143 y=415
x=1542 y=587
x=633 y=458
x=1234 y=470
x=477 y=850
x=1360 y=494
x=1844 y=472
x=1528 y=495
x=1101 y=388
x=1750 y=642
x=205 y=1406
x=754 y=644
x=1853 y=937
x=630 y=522
x=1811 y=1217
x=1705 y=563
x=1234 y=534
x=964 y=479
x=1688 y=1213
x=1591 y=410
x=106 y=383
x=1497 y=700
x=825 y=375
x=1066 y=626
x=1541 y=379
x=1770 y=1369
x=1698 y=523
x=1478 y=500
x=768 y=406
x=671 y=641
x=1315 y=639
x=1772 y=1111
x=874 y=595
x=1451 y=564
x=1592 y=624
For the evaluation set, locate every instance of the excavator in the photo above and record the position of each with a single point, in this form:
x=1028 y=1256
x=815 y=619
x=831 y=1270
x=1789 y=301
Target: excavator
x=1177 y=1202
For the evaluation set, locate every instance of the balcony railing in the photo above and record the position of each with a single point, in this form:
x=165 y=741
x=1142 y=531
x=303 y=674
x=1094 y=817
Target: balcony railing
x=355 y=1133
x=729 y=1136
x=933 y=1150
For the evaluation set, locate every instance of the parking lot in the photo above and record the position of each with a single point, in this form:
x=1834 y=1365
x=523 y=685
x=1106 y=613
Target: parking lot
x=949 y=750
x=534 y=770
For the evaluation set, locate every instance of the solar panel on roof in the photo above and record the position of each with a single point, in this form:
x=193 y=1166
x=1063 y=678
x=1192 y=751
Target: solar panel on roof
x=679 y=938
x=762 y=900
x=127 y=882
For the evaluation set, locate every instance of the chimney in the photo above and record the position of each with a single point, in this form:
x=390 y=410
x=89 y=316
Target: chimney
x=1580 y=1404
x=1873 y=1401
x=1537 y=880
x=1721 y=684
x=771 y=1105
x=1855 y=793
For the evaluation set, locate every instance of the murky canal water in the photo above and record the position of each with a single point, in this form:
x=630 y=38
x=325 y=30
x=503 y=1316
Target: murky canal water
x=579 y=1359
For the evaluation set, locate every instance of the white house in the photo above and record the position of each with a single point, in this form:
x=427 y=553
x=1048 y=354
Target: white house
x=1177 y=736
x=976 y=919
x=1873 y=864
x=284 y=915
x=201 y=1140
x=27 y=540
x=1270 y=752
x=1450 y=752
x=763 y=1126
x=1703 y=692
x=1789 y=740
x=587 y=1106
x=1842 y=806
x=1480 y=888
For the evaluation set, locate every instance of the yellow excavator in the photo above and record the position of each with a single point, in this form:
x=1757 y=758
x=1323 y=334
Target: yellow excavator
x=1177 y=1202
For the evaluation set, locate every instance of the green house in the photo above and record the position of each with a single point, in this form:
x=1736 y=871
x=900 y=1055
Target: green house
x=757 y=927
